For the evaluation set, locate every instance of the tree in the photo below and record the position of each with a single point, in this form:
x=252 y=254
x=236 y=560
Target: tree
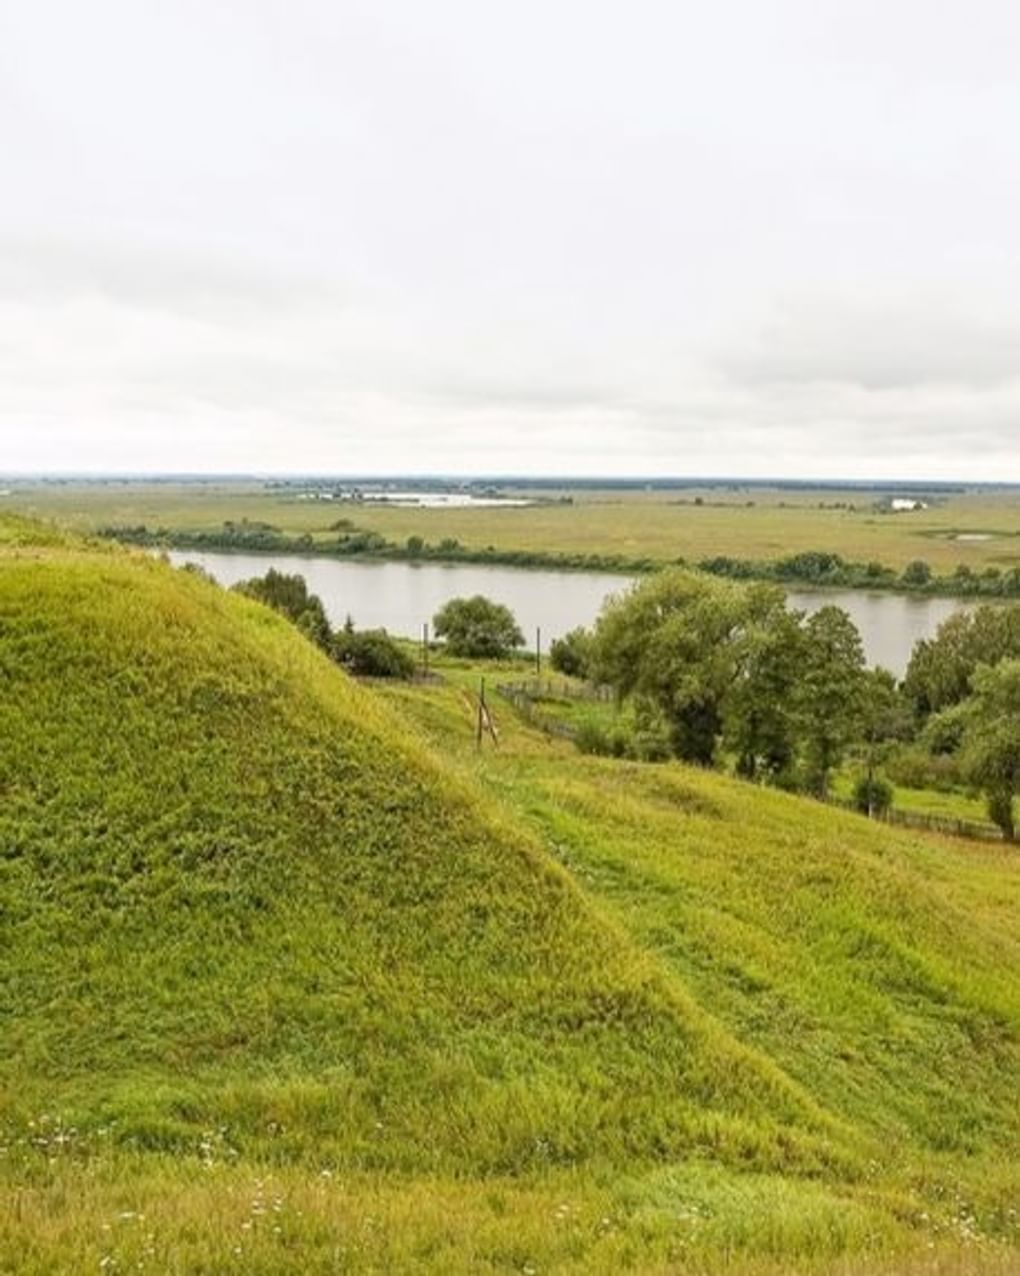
x=884 y=716
x=669 y=643
x=571 y=654
x=829 y=692
x=991 y=746
x=917 y=573
x=477 y=627
x=940 y=669
x=289 y=595
x=758 y=713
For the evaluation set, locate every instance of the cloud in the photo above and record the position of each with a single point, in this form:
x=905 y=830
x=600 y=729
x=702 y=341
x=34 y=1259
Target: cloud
x=407 y=238
x=217 y=286
x=928 y=338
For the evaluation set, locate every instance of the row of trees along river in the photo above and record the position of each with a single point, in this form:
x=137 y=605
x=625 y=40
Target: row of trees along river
x=719 y=673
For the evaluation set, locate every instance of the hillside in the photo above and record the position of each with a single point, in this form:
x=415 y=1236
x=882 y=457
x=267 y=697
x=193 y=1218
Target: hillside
x=258 y=930
x=874 y=966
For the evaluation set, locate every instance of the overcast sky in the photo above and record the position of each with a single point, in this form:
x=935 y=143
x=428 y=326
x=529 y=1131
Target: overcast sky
x=756 y=237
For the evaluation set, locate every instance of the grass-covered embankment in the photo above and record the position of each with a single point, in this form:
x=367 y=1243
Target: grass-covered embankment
x=283 y=990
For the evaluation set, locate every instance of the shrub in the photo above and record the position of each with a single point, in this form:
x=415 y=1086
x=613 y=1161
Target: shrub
x=571 y=653
x=477 y=627
x=591 y=738
x=917 y=573
x=873 y=795
x=371 y=653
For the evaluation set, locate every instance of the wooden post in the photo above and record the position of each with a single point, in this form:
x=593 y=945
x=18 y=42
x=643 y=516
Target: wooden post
x=538 y=652
x=425 y=648
x=481 y=715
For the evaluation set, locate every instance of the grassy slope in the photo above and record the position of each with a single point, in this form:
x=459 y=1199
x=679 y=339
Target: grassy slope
x=236 y=894
x=258 y=943
x=876 y=967
x=634 y=524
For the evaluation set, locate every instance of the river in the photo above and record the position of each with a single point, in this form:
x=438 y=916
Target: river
x=400 y=597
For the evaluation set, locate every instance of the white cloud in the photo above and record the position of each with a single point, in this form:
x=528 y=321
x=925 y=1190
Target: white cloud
x=539 y=238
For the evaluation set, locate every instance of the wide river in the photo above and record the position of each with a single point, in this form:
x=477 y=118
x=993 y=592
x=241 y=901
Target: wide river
x=401 y=597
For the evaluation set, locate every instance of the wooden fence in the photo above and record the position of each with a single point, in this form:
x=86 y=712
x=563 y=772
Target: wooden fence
x=523 y=701
x=526 y=696
x=559 y=689
x=947 y=824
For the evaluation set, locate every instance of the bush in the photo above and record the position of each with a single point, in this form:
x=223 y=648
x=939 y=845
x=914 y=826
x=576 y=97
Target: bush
x=915 y=768
x=873 y=796
x=371 y=653
x=477 y=627
x=593 y=738
x=943 y=732
x=917 y=573
x=571 y=654
x=650 y=746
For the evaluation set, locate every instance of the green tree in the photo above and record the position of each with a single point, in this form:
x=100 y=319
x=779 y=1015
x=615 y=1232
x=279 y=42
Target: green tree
x=829 y=693
x=917 y=573
x=670 y=642
x=289 y=595
x=991 y=747
x=759 y=708
x=571 y=654
x=477 y=627
x=884 y=716
x=940 y=670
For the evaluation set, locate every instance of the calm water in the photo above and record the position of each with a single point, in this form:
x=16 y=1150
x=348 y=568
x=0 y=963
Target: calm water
x=400 y=597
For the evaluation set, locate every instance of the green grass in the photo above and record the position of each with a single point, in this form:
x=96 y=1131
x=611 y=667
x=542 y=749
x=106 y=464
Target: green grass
x=659 y=526
x=285 y=952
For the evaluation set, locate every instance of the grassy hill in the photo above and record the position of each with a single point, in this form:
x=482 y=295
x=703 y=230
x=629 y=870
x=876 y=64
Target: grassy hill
x=288 y=983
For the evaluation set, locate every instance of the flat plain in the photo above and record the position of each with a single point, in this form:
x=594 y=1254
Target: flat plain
x=979 y=527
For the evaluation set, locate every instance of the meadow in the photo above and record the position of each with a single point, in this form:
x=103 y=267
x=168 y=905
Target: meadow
x=755 y=523
x=297 y=979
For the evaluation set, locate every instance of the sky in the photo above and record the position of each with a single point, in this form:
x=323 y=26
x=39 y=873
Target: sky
x=752 y=237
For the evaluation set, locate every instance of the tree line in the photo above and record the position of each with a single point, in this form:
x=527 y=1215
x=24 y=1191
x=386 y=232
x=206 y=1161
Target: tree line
x=721 y=673
x=476 y=627
x=363 y=652
x=813 y=568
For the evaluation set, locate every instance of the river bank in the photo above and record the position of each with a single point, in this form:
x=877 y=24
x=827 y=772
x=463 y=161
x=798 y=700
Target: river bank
x=403 y=596
x=804 y=570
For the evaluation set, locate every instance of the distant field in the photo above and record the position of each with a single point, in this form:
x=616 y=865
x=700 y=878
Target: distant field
x=759 y=523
